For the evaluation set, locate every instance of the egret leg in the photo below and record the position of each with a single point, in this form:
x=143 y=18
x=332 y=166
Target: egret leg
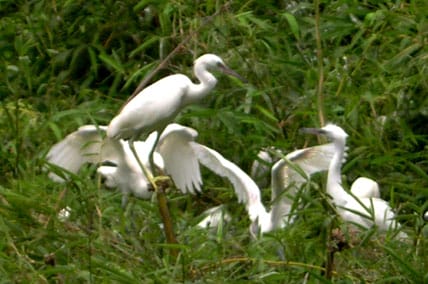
x=152 y=151
x=160 y=194
x=146 y=172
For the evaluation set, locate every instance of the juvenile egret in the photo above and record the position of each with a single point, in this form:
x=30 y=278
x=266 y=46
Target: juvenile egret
x=86 y=145
x=173 y=154
x=284 y=176
x=363 y=211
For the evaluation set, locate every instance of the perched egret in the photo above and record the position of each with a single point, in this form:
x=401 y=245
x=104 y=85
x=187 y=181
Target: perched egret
x=158 y=104
x=363 y=211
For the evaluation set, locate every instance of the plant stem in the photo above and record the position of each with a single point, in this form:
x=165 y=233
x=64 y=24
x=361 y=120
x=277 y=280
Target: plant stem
x=161 y=197
x=320 y=97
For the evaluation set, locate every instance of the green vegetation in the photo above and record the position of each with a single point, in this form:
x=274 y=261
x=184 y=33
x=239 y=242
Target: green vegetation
x=68 y=63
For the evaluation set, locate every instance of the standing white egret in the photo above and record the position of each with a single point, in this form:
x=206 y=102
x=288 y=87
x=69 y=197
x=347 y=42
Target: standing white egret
x=158 y=104
x=363 y=211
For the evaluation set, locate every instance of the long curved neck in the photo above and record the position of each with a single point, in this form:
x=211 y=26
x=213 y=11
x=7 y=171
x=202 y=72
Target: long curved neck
x=207 y=82
x=334 y=179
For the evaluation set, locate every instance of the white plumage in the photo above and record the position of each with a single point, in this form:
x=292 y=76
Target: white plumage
x=88 y=145
x=158 y=104
x=179 y=155
x=179 y=159
x=284 y=178
x=364 y=210
x=365 y=187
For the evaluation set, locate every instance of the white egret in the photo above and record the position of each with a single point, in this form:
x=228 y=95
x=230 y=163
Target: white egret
x=363 y=211
x=213 y=217
x=365 y=187
x=87 y=145
x=284 y=177
x=158 y=104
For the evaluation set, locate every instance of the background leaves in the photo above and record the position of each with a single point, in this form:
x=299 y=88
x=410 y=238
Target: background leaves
x=68 y=63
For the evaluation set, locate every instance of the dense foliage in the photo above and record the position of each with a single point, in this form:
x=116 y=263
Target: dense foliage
x=360 y=64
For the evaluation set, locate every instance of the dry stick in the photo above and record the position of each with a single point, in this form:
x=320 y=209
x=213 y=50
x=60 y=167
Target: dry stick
x=270 y=262
x=320 y=103
x=320 y=98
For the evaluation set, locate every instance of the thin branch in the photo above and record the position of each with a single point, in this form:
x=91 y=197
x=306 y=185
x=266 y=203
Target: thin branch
x=164 y=62
x=320 y=96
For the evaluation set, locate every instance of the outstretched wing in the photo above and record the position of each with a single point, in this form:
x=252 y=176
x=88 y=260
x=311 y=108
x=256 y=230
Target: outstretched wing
x=86 y=145
x=300 y=165
x=179 y=158
x=245 y=188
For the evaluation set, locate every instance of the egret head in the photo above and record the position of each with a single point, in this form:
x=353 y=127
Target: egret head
x=214 y=62
x=331 y=131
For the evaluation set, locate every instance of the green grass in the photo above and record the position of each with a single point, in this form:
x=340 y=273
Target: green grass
x=69 y=63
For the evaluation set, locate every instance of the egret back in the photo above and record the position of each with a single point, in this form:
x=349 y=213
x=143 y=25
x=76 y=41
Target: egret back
x=151 y=109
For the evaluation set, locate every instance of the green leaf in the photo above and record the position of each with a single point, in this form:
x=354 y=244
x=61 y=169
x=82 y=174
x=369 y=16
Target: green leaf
x=292 y=22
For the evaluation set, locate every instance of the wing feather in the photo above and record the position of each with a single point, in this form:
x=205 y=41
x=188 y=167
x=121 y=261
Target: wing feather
x=86 y=145
x=179 y=158
x=245 y=188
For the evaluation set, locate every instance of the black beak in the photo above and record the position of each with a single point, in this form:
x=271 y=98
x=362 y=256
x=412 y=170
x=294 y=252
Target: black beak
x=316 y=131
x=226 y=70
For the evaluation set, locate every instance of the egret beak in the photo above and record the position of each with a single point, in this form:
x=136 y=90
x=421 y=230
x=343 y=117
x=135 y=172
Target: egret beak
x=316 y=131
x=226 y=70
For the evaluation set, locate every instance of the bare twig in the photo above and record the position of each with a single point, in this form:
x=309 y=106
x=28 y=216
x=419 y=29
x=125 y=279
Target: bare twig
x=164 y=62
x=320 y=97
